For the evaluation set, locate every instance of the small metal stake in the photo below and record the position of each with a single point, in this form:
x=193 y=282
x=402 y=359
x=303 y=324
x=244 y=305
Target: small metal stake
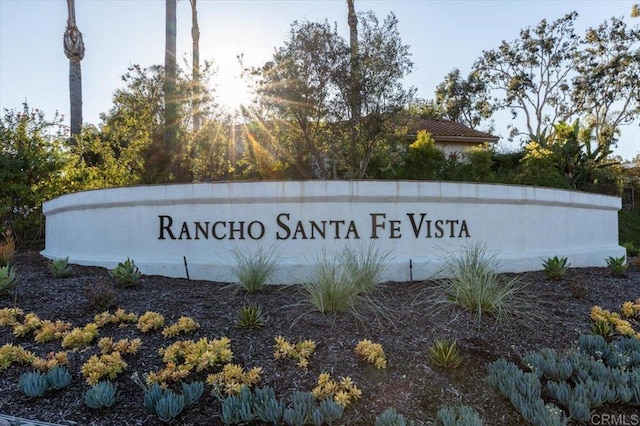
x=186 y=268
x=410 y=270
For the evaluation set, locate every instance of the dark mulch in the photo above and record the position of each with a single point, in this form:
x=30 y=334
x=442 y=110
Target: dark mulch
x=409 y=383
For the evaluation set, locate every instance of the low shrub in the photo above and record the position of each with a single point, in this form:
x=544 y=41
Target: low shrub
x=250 y=316
x=390 y=417
x=473 y=284
x=373 y=353
x=101 y=295
x=126 y=273
x=444 y=353
x=342 y=283
x=7 y=279
x=100 y=395
x=253 y=270
x=458 y=416
x=617 y=265
x=59 y=268
x=7 y=248
x=632 y=250
x=555 y=268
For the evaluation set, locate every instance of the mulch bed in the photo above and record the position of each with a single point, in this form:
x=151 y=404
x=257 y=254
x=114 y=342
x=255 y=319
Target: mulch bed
x=409 y=383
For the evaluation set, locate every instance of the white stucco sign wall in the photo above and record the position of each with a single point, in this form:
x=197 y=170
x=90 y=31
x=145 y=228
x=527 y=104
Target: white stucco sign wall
x=417 y=223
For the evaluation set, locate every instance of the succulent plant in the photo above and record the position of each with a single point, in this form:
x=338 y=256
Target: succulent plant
x=33 y=384
x=169 y=406
x=126 y=273
x=102 y=394
x=7 y=279
x=58 y=377
x=192 y=392
x=60 y=268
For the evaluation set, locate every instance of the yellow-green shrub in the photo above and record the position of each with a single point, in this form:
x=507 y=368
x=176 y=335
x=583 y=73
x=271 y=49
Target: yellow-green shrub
x=232 y=377
x=343 y=392
x=372 y=353
x=300 y=352
x=80 y=337
x=106 y=365
x=150 y=321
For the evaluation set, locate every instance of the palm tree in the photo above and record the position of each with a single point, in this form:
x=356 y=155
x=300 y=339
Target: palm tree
x=354 y=84
x=171 y=107
x=195 y=61
x=74 y=50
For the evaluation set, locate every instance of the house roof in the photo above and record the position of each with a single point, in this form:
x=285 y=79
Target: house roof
x=451 y=131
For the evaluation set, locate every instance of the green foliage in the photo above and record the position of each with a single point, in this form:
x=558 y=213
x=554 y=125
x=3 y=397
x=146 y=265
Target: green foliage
x=458 y=416
x=607 y=82
x=390 y=417
x=58 y=377
x=127 y=273
x=33 y=384
x=632 y=250
x=444 y=353
x=311 y=87
x=594 y=374
x=261 y=404
x=192 y=392
x=250 y=316
x=617 y=265
x=472 y=283
x=167 y=404
x=101 y=395
x=423 y=161
x=603 y=328
x=533 y=74
x=7 y=279
x=253 y=270
x=555 y=268
x=169 y=407
x=340 y=283
x=541 y=166
x=524 y=392
x=32 y=164
x=465 y=101
x=60 y=268
x=629 y=227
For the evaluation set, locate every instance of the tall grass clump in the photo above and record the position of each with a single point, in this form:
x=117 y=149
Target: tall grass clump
x=340 y=283
x=472 y=283
x=252 y=270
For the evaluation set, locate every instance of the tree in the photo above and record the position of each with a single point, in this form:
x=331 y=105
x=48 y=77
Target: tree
x=74 y=50
x=354 y=81
x=384 y=61
x=195 y=60
x=297 y=86
x=170 y=77
x=464 y=101
x=533 y=74
x=32 y=162
x=607 y=87
x=423 y=161
x=309 y=85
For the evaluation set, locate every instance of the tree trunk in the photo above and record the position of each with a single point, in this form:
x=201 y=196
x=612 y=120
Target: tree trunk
x=354 y=89
x=74 y=50
x=195 y=63
x=171 y=107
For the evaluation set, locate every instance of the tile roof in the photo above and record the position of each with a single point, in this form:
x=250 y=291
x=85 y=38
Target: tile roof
x=446 y=129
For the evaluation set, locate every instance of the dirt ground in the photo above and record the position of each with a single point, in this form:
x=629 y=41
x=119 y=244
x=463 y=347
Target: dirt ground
x=409 y=383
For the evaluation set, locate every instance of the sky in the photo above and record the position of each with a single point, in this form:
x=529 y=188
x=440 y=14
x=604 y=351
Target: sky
x=442 y=35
